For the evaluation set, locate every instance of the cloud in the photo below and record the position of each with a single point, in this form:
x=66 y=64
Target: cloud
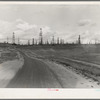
x=86 y=22
x=22 y=25
x=6 y=28
x=23 y=30
x=26 y=31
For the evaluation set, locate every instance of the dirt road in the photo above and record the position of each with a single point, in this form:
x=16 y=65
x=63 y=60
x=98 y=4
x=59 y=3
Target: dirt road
x=34 y=74
x=40 y=74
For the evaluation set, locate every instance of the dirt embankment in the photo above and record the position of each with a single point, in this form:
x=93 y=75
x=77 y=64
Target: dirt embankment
x=84 y=69
x=10 y=63
x=8 y=55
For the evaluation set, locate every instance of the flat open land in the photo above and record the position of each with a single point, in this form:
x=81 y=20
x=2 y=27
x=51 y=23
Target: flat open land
x=55 y=67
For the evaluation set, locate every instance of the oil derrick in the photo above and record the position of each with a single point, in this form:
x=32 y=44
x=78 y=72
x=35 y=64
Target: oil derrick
x=47 y=42
x=18 y=41
x=13 y=38
x=53 y=40
x=61 y=41
x=36 y=42
x=79 y=40
x=33 y=41
x=96 y=41
x=40 y=37
x=28 y=42
x=58 y=40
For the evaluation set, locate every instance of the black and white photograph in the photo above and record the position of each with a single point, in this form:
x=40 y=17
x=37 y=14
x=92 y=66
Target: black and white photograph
x=49 y=45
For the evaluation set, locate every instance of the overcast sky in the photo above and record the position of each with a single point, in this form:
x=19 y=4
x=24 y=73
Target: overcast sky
x=65 y=21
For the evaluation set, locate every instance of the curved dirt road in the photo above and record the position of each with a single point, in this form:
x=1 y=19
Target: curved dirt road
x=37 y=73
x=34 y=74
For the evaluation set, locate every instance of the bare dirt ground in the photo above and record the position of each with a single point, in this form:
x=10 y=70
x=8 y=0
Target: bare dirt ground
x=34 y=74
x=88 y=72
x=10 y=63
x=8 y=70
x=38 y=72
x=47 y=69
